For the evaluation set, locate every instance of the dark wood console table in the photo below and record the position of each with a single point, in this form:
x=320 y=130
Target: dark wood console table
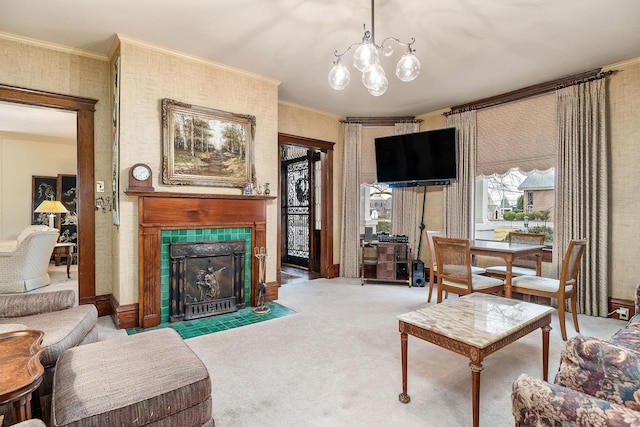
x=20 y=370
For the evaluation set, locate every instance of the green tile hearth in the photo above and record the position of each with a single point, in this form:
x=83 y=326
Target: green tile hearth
x=221 y=322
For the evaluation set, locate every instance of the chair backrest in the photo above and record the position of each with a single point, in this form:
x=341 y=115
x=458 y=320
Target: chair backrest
x=528 y=261
x=430 y=249
x=32 y=229
x=571 y=264
x=453 y=258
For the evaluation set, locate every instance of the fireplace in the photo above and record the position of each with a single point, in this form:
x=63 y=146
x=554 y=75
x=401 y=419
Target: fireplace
x=206 y=278
x=163 y=212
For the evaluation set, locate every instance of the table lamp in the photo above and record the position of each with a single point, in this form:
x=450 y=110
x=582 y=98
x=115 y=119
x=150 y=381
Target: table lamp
x=51 y=207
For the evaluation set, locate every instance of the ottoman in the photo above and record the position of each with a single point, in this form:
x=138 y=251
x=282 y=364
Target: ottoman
x=149 y=379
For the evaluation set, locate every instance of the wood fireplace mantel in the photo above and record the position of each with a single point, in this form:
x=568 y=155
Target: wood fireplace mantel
x=159 y=211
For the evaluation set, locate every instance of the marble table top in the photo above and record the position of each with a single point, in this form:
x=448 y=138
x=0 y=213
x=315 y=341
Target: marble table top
x=477 y=319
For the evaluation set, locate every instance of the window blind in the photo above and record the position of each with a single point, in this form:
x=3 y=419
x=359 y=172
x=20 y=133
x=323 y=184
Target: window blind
x=520 y=134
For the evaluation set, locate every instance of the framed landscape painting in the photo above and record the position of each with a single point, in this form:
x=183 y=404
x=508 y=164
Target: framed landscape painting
x=203 y=146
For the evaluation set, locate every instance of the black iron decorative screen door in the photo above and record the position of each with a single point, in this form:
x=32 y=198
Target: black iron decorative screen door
x=297 y=209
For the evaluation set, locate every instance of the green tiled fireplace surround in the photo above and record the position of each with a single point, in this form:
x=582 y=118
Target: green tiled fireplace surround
x=200 y=235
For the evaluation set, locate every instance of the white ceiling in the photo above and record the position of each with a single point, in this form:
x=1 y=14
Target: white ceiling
x=37 y=121
x=469 y=49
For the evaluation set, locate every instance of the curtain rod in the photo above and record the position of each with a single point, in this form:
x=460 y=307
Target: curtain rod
x=381 y=121
x=530 y=91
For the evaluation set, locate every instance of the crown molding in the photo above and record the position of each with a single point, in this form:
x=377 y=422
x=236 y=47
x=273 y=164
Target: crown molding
x=312 y=110
x=168 y=51
x=53 y=46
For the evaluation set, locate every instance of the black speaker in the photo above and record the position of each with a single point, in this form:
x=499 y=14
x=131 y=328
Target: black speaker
x=418 y=272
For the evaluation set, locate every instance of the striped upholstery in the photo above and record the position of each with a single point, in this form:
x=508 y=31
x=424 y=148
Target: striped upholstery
x=23 y=265
x=64 y=325
x=151 y=378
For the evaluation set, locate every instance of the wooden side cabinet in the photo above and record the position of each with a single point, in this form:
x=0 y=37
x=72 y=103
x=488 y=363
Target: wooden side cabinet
x=385 y=262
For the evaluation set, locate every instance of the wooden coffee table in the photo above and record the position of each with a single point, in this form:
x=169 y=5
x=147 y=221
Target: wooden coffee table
x=20 y=370
x=474 y=326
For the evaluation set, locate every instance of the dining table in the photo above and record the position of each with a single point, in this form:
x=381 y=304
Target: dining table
x=507 y=251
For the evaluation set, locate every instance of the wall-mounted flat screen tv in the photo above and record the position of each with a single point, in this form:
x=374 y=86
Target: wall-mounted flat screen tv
x=416 y=159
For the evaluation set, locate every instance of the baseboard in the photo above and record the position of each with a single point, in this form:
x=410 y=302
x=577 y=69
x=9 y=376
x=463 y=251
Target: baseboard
x=103 y=304
x=124 y=316
x=333 y=271
x=272 y=291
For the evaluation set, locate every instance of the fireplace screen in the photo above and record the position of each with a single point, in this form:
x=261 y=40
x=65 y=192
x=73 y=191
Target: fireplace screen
x=207 y=278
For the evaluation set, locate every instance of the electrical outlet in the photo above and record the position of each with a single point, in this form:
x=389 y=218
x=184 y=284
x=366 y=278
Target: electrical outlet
x=623 y=313
x=99 y=186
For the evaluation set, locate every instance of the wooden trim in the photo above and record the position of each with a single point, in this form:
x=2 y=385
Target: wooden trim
x=616 y=303
x=526 y=92
x=272 y=291
x=103 y=304
x=158 y=211
x=124 y=316
x=85 y=109
x=333 y=271
x=326 y=234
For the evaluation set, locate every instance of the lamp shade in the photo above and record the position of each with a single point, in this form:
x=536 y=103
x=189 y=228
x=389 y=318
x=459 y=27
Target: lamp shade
x=51 y=206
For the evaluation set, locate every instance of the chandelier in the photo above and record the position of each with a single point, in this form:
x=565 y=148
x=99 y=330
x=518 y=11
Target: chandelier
x=366 y=59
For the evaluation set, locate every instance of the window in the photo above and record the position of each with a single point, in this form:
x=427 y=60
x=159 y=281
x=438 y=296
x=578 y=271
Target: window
x=515 y=201
x=516 y=157
x=375 y=208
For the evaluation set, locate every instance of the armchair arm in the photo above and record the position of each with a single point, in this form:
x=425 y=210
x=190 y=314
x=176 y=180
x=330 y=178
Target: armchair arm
x=600 y=369
x=538 y=403
x=19 y=305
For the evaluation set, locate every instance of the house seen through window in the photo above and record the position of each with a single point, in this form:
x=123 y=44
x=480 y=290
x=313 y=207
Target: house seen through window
x=375 y=208
x=515 y=201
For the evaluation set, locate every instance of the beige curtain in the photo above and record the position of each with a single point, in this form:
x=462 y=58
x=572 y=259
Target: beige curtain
x=350 y=241
x=458 y=197
x=404 y=219
x=582 y=188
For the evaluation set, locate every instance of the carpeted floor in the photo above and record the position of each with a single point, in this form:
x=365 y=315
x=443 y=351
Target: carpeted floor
x=336 y=362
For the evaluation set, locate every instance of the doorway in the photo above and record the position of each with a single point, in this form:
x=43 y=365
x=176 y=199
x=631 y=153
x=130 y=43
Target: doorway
x=84 y=109
x=306 y=205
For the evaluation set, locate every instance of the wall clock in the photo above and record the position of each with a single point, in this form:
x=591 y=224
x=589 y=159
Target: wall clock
x=140 y=178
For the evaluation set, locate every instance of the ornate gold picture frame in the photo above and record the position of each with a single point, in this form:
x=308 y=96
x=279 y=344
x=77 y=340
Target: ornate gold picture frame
x=203 y=146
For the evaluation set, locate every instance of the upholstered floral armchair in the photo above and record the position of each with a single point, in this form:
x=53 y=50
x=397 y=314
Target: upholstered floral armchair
x=597 y=384
x=24 y=262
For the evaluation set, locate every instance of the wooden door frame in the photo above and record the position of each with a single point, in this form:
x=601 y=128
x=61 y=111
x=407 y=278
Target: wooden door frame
x=84 y=109
x=326 y=233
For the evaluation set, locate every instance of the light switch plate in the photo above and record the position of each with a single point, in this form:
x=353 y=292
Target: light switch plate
x=99 y=186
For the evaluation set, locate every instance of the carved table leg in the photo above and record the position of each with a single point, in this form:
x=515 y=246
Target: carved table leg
x=475 y=390
x=404 y=397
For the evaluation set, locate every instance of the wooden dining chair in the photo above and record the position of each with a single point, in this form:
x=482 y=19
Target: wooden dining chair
x=566 y=287
x=524 y=265
x=432 y=259
x=454 y=270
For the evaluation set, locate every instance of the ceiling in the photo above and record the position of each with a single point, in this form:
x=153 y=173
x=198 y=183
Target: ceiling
x=469 y=49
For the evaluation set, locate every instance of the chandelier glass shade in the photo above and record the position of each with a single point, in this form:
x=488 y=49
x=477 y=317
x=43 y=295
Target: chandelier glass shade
x=366 y=59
